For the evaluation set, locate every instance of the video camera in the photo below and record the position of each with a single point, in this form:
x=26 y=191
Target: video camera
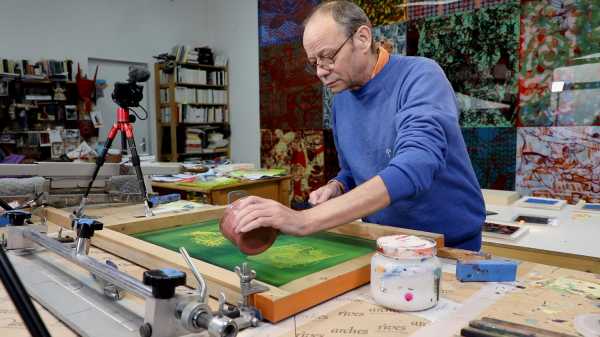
x=129 y=94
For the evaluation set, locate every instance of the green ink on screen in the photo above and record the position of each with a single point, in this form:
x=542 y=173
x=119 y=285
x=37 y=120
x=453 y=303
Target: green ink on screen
x=289 y=259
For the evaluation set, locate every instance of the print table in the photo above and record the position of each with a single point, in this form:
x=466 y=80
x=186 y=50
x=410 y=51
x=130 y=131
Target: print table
x=571 y=243
x=544 y=297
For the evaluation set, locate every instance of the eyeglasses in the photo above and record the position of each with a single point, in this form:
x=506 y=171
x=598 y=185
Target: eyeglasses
x=326 y=62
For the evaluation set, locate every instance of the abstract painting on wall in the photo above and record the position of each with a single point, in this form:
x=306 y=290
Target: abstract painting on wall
x=280 y=21
x=478 y=51
x=559 y=81
x=331 y=163
x=423 y=9
x=559 y=162
x=392 y=37
x=492 y=152
x=383 y=12
x=301 y=152
x=290 y=98
x=327 y=108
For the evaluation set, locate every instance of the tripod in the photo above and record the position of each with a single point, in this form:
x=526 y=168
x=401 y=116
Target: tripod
x=124 y=125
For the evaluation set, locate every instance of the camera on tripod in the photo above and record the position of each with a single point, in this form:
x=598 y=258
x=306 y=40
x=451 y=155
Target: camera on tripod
x=129 y=94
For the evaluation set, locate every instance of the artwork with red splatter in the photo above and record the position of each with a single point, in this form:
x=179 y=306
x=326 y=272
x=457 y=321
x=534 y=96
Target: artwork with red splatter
x=559 y=82
x=559 y=162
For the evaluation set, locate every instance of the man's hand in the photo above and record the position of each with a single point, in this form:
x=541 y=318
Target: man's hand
x=328 y=191
x=254 y=212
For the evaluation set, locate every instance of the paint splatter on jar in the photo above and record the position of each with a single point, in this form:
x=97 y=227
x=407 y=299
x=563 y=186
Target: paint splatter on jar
x=405 y=273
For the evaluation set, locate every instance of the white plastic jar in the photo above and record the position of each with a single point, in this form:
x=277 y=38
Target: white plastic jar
x=405 y=273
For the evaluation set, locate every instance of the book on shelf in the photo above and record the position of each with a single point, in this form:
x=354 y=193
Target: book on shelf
x=195 y=140
x=220 y=60
x=185 y=95
x=59 y=70
x=192 y=76
x=165 y=115
x=199 y=114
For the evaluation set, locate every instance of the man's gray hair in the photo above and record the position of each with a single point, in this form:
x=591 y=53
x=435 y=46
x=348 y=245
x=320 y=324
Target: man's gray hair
x=345 y=13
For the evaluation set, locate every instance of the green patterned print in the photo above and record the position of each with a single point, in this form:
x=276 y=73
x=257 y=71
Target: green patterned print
x=290 y=258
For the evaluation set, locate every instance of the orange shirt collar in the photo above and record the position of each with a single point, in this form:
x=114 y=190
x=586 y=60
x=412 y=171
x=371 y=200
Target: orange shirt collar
x=382 y=60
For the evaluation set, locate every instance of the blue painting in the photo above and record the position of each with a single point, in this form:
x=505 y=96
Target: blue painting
x=493 y=154
x=280 y=21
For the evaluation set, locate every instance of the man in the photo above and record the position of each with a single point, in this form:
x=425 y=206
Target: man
x=402 y=156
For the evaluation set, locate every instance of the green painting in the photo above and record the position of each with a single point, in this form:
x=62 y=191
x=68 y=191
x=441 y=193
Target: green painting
x=290 y=258
x=479 y=52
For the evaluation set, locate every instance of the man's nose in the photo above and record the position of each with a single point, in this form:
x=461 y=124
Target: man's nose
x=322 y=72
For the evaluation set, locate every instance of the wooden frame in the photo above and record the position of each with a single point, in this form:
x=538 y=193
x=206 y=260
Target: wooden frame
x=276 y=304
x=588 y=264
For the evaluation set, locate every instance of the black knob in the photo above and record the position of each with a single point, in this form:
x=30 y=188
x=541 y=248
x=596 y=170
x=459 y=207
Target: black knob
x=164 y=281
x=17 y=218
x=146 y=330
x=85 y=227
x=231 y=311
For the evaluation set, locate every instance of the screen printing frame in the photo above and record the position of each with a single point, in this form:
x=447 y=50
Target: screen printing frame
x=276 y=304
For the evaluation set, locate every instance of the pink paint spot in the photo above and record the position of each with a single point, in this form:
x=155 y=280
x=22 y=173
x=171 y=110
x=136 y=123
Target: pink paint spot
x=408 y=297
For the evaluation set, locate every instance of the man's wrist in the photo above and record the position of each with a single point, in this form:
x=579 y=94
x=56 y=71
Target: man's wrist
x=338 y=184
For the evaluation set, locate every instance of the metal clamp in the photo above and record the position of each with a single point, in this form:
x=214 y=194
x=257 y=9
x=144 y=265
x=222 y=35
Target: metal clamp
x=196 y=273
x=250 y=315
x=109 y=289
x=248 y=288
x=196 y=316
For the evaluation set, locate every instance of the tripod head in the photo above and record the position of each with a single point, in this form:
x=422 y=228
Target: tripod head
x=129 y=94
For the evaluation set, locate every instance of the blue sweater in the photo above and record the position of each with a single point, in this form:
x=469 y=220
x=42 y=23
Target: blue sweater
x=403 y=126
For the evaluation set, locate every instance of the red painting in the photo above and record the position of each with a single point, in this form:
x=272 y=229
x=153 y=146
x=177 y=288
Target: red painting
x=290 y=98
x=301 y=152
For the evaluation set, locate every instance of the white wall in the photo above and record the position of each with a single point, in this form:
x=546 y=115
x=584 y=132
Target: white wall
x=131 y=30
x=233 y=27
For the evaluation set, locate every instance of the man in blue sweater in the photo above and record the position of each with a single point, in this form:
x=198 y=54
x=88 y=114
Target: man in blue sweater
x=403 y=160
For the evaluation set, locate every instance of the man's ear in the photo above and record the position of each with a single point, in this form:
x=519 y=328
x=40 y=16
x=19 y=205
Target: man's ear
x=364 y=37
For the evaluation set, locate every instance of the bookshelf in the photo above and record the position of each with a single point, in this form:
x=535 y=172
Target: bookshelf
x=192 y=109
x=39 y=102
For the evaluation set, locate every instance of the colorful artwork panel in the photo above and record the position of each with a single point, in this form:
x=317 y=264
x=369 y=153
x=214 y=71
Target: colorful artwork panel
x=280 y=21
x=332 y=166
x=383 y=12
x=290 y=98
x=479 y=54
x=559 y=162
x=327 y=108
x=559 y=81
x=393 y=37
x=493 y=153
x=301 y=152
x=444 y=8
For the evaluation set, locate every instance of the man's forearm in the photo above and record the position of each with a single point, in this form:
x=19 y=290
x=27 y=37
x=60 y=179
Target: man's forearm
x=361 y=201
